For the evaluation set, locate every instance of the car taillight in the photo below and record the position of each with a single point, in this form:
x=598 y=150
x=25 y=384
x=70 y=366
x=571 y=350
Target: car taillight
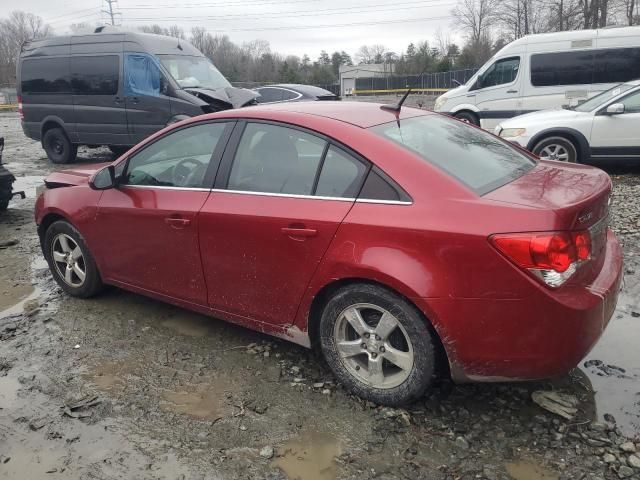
x=552 y=257
x=20 y=108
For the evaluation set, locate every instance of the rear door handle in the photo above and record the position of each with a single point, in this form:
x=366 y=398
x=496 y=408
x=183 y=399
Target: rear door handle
x=118 y=100
x=299 y=232
x=512 y=91
x=135 y=99
x=177 y=222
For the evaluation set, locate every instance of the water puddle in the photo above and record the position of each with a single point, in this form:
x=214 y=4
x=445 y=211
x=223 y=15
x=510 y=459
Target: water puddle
x=25 y=301
x=613 y=367
x=203 y=401
x=110 y=377
x=528 y=470
x=189 y=325
x=309 y=457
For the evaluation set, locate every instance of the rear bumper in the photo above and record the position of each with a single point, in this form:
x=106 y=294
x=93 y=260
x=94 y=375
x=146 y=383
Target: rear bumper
x=541 y=336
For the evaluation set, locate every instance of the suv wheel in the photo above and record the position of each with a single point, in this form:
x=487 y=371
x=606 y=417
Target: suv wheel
x=377 y=344
x=70 y=261
x=556 y=148
x=58 y=147
x=119 y=150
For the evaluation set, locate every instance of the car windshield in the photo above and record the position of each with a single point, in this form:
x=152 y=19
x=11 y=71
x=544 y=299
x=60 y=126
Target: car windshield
x=194 y=72
x=471 y=155
x=603 y=97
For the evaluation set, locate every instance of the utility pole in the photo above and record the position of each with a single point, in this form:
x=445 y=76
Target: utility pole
x=110 y=12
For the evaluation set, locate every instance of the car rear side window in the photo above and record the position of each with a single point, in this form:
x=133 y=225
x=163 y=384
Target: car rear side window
x=341 y=175
x=269 y=94
x=476 y=158
x=275 y=159
x=95 y=75
x=378 y=186
x=562 y=68
x=45 y=75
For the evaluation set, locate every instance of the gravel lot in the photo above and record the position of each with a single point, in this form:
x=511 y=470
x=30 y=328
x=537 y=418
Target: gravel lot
x=122 y=386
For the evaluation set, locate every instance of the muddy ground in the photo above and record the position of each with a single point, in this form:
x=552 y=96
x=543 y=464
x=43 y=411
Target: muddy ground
x=122 y=386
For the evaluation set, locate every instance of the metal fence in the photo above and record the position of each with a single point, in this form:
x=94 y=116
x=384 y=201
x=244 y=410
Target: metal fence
x=8 y=95
x=427 y=81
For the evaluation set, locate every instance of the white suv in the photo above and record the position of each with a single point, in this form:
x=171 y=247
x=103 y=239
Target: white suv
x=605 y=126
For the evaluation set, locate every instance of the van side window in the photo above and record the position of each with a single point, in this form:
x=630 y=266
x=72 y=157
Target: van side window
x=45 y=75
x=615 y=65
x=141 y=75
x=563 y=68
x=501 y=72
x=95 y=75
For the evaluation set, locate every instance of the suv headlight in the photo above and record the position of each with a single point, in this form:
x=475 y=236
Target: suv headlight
x=440 y=101
x=512 y=132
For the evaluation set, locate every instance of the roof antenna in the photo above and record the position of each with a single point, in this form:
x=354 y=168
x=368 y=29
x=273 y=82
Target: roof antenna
x=398 y=106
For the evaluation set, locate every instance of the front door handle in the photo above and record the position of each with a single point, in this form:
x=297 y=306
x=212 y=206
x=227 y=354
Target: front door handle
x=177 y=222
x=118 y=100
x=135 y=100
x=299 y=231
x=512 y=91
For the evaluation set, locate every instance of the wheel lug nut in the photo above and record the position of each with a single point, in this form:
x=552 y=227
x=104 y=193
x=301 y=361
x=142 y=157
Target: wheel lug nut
x=374 y=354
x=357 y=367
x=367 y=335
x=364 y=345
x=381 y=349
x=377 y=337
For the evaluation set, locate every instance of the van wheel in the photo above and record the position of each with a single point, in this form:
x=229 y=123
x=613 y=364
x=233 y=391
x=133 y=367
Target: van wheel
x=118 y=150
x=560 y=149
x=468 y=117
x=58 y=147
x=377 y=344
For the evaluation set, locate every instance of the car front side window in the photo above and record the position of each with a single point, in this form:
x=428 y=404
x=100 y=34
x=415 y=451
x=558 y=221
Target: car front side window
x=632 y=103
x=179 y=159
x=500 y=73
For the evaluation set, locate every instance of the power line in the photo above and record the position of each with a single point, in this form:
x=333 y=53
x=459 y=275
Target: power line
x=306 y=13
x=258 y=3
x=312 y=27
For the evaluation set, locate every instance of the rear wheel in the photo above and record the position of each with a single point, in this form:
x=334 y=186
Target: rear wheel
x=556 y=148
x=378 y=345
x=70 y=261
x=468 y=117
x=58 y=146
x=118 y=150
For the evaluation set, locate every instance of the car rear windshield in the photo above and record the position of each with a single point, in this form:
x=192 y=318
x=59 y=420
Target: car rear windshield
x=476 y=158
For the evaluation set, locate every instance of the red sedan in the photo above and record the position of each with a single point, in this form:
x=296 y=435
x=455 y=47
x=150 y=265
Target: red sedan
x=396 y=242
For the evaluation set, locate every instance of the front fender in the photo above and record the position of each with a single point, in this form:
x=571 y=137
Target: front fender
x=583 y=143
x=464 y=106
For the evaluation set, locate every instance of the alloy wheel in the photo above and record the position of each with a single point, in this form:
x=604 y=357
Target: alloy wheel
x=68 y=260
x=373 y=345
x=554 y=152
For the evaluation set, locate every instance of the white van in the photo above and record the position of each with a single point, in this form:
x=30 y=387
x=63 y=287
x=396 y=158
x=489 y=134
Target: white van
x=543 y=71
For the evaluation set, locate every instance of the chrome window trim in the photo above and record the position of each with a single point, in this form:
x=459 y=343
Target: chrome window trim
x=312 y=197
x=165 y=187
x=269 y=194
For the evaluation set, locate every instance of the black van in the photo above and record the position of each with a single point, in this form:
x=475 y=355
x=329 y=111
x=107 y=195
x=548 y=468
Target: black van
x=114 y=88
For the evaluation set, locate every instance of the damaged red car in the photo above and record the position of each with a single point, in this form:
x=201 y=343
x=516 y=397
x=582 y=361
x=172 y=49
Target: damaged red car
x=400 y=243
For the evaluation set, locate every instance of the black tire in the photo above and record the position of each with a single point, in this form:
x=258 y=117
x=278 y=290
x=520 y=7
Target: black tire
x=417 y=378
x=119 y=150
x=468 y=117
x=5 y=195
x=92 y=283
x=58 y=146
x=561 y=144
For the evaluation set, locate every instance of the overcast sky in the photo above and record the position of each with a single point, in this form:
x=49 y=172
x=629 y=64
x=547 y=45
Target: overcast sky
x=290 y=26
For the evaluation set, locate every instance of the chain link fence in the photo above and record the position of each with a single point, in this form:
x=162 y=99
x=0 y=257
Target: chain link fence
x=427 y=81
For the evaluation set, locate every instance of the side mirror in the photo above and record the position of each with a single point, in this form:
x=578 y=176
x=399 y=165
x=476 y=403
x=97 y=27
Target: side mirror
x=104 y=179
x=615 y=109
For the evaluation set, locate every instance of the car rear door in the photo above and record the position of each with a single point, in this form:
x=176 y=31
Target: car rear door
x=270 y=219
x=151 y=218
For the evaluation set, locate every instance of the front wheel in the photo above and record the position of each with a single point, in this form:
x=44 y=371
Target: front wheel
x=70 y=261
x=556 y=148
x=468 y=117
x=377 y=344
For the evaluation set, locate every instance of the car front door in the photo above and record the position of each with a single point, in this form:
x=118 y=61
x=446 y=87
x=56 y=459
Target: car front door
x=148 y=106
x=151 y=218
x=264 y=230
x=617 y=135
x=497 y=91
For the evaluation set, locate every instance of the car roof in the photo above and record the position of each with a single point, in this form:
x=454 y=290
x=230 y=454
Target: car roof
x=306 y=89
x=361 y=114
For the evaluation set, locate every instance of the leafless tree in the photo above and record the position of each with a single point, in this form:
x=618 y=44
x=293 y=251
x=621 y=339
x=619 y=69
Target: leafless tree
x=15 y=30
x=476 y=17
